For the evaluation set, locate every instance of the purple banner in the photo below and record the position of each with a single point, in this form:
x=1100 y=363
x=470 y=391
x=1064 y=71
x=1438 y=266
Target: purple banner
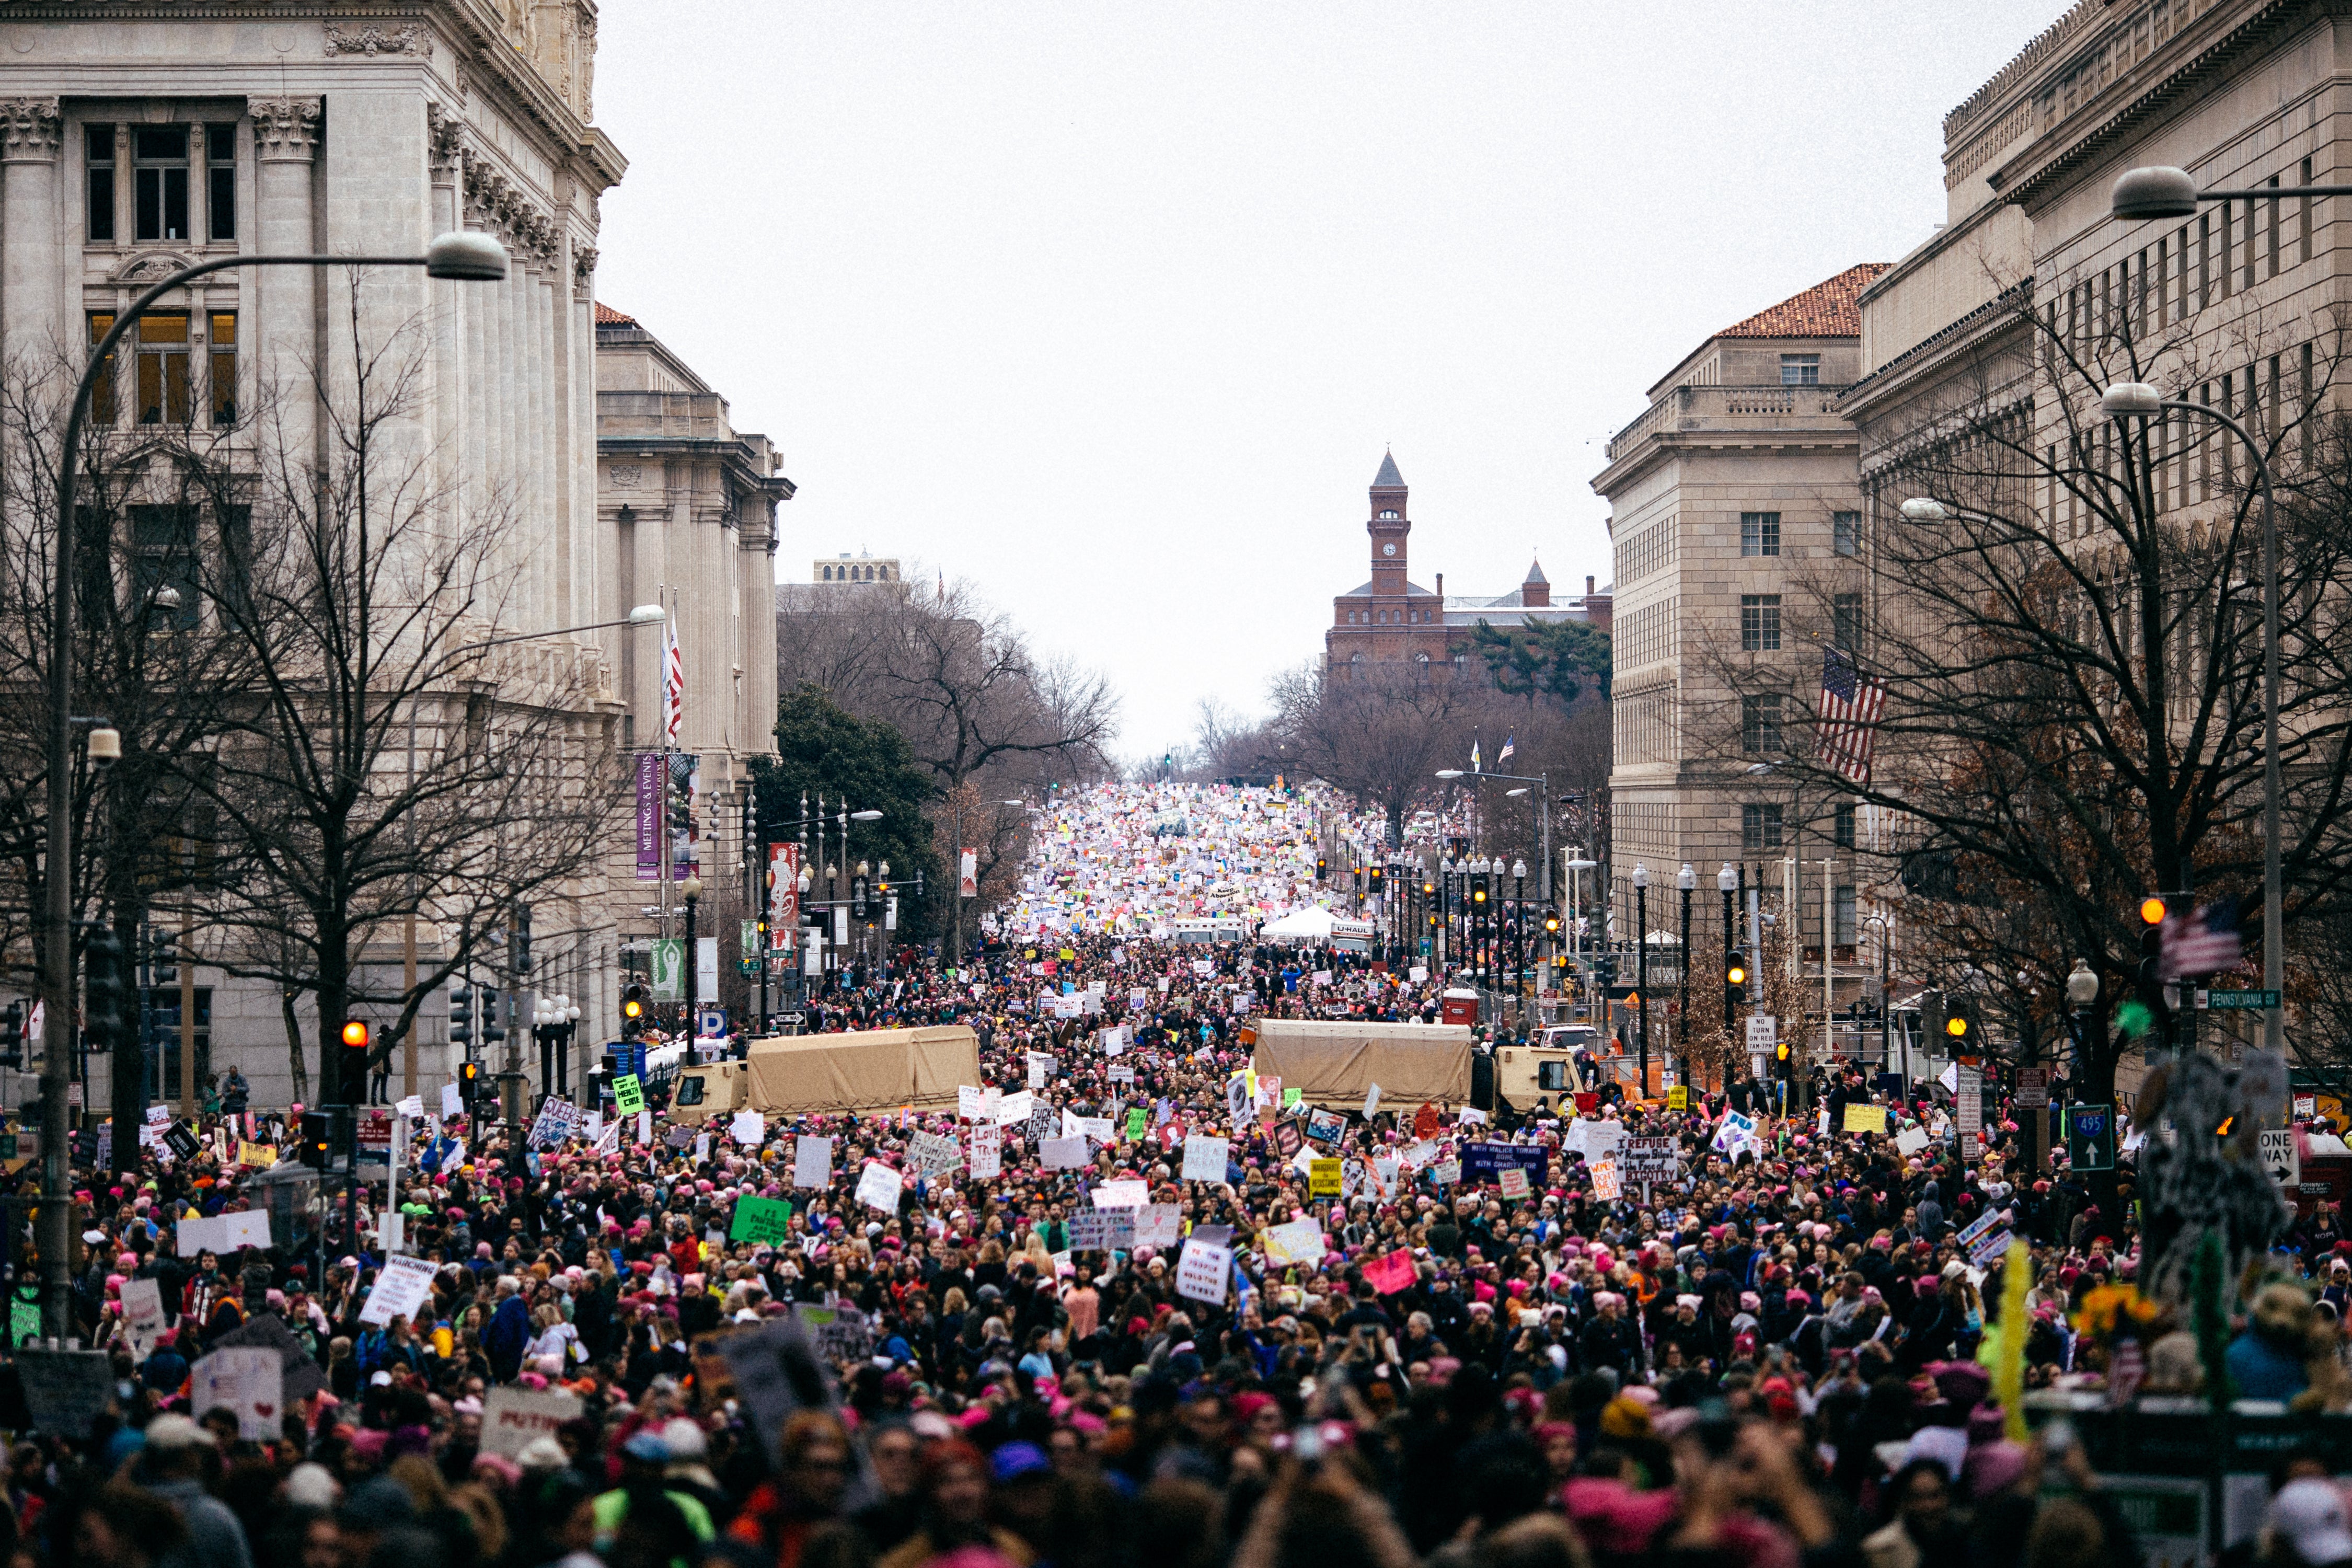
x=649 y=817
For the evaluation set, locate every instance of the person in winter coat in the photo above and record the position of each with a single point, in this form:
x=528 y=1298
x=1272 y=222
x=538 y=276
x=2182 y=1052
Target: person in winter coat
x=509 y=1333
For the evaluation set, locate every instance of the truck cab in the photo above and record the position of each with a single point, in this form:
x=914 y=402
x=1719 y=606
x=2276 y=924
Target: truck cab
x=1545 y=1075
x=709 y=1090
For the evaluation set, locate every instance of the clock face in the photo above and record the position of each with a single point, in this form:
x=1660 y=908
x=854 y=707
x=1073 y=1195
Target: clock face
x=1389 y=548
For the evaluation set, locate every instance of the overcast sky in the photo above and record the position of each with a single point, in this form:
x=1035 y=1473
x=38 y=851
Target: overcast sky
x=1111 y=308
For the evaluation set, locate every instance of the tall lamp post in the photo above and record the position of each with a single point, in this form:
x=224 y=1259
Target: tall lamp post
x=691 y=891
x=1641 y=880
x=1727 y=879
x=1883 y=924
x=1686 y=881
x=1519 y=930
x=462 y=257
x=1578 y=864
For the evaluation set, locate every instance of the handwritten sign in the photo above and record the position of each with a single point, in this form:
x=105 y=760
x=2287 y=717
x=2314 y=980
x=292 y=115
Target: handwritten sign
x=628 y=1094
x=1202 y=1270
x=1323 y=1178
x=763 y=1220
x=879 y=1188
x=1865 y=1119
x=513 y=1416
x=1205 y=1156
x=403 y=1286
x=812 y=1160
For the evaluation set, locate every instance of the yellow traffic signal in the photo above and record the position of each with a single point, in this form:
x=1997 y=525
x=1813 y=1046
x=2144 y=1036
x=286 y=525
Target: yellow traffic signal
x=2151 y=910
x=1736 y=974
x=633 y=1008
x=1957 y=1026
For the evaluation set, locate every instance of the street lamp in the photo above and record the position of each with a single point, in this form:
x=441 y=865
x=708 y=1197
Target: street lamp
x=1520 y=928
x=2138 y=400
x=691 y=891
x=466 y=257
x=1727 y=879
x=1641 y=879
x=1577 y=867
x=1883 y=924
x=1686 y=881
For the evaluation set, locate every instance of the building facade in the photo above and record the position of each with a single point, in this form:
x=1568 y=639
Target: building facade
x=138 y=138
x=1735 y=518
x=691 y=503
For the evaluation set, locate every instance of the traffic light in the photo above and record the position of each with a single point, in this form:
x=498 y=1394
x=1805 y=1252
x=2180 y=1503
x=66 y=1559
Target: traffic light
x=1781 y=1057
x=1551 y=925
x=317 y=1149
x=521 y=945
x=102 y=981
x=1962 y=1037
x=469 y=1083
x=461 y=1017
x=633 y=1010
x=1376 y=878
x=492 y=1030
x=918 y=884
x=2149 y=987
x=1478 y=891
x=1322 y=867
x=12 y=1034
x=1735 y=984
x=355 y=1058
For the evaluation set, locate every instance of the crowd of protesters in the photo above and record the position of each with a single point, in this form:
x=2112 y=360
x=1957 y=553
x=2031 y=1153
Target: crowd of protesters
x=1787 y=1353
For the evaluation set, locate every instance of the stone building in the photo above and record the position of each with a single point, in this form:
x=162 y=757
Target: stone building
x=691 y=502
x=2236 y=307
x=137 y=138
x=1734 y=514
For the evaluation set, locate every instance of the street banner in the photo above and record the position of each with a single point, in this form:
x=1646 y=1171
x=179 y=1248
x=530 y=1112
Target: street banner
x=968 y=874
x=783 y=896
x=649 y=817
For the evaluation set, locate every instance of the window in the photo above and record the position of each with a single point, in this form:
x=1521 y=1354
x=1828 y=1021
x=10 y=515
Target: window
x=160 y=166
x=1801 y=369
x=163 y=355
x=223 y=385
x=1760 y=623
x=99 y=181
x=1845 y=532
x=1760 y=827
x=1845 y=621
x=220 y=181
x=1842 y=921
x=1842 y=827
x=1760 y=533
x=163 y=554
x=102 y=394
x=1551 y=1077
x=1390 y=514
x=1759 y=723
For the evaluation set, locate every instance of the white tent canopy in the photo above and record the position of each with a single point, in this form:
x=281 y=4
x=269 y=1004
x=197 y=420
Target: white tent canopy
x=1310 y=924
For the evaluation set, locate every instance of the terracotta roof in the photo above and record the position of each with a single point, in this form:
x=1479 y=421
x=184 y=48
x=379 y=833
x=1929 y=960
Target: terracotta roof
x=1827 y=309
x=608 y=317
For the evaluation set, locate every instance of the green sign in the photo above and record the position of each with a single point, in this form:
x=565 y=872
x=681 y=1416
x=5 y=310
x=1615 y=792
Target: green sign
x=762 y=1220
x=669 y=969
x=24 y=1318
x=628 y=1094
x=2243 y=1001
x=748 y=967
x=1135 y=1122
x=750 y=942
x=2091 y=1137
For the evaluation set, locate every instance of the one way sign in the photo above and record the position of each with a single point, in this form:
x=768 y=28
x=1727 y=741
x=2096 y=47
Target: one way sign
x=2280 y=1160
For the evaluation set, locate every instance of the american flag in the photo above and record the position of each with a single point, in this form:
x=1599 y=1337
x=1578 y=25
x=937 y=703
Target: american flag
x=1505 y=754
x=2206 y=943
x=1850 y=709
x=673 y=684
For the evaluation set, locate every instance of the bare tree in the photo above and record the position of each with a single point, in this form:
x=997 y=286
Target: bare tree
x=382 y=766
x=1376 y=732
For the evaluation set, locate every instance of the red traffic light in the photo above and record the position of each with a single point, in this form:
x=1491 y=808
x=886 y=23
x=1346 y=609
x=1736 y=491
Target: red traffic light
x=355 y=1034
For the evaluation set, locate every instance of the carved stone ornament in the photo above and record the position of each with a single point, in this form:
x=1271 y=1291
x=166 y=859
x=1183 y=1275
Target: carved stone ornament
x=148 y=267
x=624 y=476
x=583 y=271
x=284 y=129
x=29 y=129
x=415 y=39
x=444 y=138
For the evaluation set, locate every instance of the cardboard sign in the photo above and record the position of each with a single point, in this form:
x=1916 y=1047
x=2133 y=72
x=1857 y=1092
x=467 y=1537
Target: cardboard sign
x=1391 y=1272
x=1512 y=1180
x=1203 y=1270
x=1865 y=1119
x=812 y=1160
x=628 y=1094
x=249 y=1382
x=758 y=1220
x=1300 y=1241
x=1205 y=1156
x=512 y=1417
x=403 y=1286
x=1605 y=1184
x=1157 y=1224
x=749 y=1128
x=1063 y=1153
x=987 y=1152
x=1323 y=1178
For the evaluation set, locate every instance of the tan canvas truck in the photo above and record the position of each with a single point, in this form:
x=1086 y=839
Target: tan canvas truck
x=712 y=1089
x=1335 y=1063
x=866 y=1070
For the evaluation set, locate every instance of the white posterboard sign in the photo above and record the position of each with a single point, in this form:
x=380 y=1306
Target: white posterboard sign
x=1126 y=1194
x=1156 y=1225
x=1202 y=1270
x=749 y=1128
x=1204 y=1157
x=1063 y=1153
x=513 y=1416
x=879 y=1188
x=987 y=1152
x=143 y=1314
x=404 y=1285
x=250 y=1380
x=812 y=1160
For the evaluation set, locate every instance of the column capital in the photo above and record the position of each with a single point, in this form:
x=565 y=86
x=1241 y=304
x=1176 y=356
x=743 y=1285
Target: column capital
x=285 y=130
x=444 y=141
x=30 y=128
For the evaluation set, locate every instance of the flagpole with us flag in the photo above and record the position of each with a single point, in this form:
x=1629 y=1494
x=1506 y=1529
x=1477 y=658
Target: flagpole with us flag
x=1848 y=725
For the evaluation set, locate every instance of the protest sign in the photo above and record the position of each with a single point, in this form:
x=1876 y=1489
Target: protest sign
x=987 y=1152
x=628 y=1094
x=1512 y=1180
x=1300 y=1241
x=1063 y=1153
x=1371 y=1102
x=1013 y=1109
x=1204 y=1157
x=929 y=1152
x=1102 y=1230
x=1865 y=1119
x=512 y=1417
x=749 y=1128
x=401 y=1286
x=1910 y=1140
x=66 y=1392
x=1323 y=1178
x=1325 y=1126
x=1446 y=1172
x=1156 y=1225
x=812 y=1160
x=1203 y=1271
x=758 y=1220
x=249 y=1382
x=143 y=1314
x=1121 y=1194
x=879 y=1188
x=1605 y=1185
x=1391 y=1272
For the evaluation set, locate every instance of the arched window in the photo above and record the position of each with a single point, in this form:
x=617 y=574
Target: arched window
x=1389 y=514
